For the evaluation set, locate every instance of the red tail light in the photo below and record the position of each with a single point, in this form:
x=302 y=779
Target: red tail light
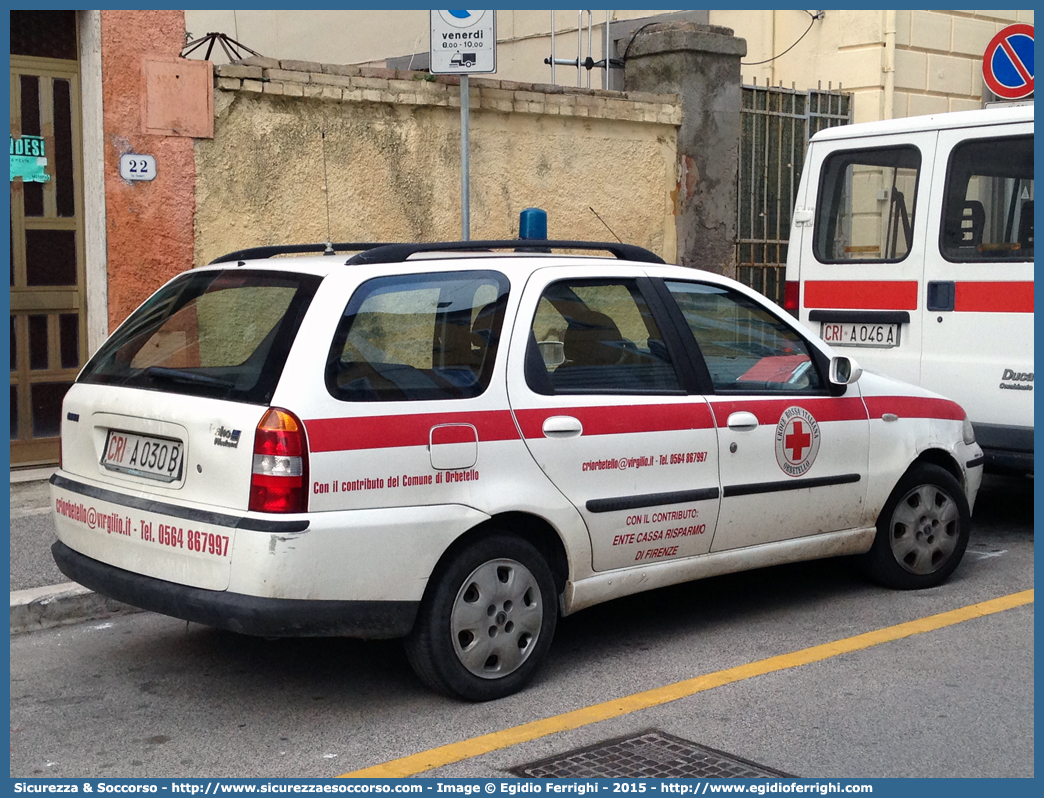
x=792 y=296
x=279 y=482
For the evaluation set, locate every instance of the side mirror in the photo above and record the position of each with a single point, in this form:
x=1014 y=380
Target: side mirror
x=844 y=370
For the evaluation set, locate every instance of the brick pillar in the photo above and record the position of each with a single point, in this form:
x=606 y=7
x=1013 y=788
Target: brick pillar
x=701 y=64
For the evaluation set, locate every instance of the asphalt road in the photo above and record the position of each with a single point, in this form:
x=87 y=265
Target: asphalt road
x=144 y=695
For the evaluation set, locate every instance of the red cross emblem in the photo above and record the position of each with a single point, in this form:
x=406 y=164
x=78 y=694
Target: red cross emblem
x=798 y=441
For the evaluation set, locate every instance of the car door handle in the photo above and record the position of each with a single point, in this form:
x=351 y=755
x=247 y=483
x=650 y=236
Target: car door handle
x=562 y=427
x=941 y=295
x=742 y=421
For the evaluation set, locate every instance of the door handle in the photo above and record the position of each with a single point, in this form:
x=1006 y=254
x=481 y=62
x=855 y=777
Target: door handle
x=942 y=295
x=562 y=427
x=742 y=421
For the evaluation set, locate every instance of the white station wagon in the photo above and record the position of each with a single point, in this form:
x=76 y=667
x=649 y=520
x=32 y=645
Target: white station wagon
x=455 y=446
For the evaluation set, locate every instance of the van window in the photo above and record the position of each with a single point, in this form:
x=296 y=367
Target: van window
x=219 y=334
x=595 y=336
x=746 y=348
x=418 y=337
x=988 y=207
x=866 y=205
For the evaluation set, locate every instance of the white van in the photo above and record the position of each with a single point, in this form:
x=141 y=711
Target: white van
x=911 y=248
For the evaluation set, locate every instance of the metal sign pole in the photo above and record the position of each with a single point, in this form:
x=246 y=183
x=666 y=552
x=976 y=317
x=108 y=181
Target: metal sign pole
x=465 y=165
x=463 y=42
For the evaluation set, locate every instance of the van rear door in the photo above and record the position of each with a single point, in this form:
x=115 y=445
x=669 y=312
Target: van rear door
x=977 y=342
x=860 y=263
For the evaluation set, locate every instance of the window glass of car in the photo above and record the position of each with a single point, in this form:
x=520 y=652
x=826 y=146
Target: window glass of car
x=597 y=336
x=866 y=205
x=418 y=337
x=747 y=348
x=221 y=334
x=988 y=205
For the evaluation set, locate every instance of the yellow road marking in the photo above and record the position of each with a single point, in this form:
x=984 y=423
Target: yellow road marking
x=466 y=749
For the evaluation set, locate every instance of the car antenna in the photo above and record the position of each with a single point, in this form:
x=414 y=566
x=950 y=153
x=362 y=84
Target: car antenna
x=326 y=193
x=607 y=227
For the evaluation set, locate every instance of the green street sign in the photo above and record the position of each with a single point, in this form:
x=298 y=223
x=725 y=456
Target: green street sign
x=28 y=160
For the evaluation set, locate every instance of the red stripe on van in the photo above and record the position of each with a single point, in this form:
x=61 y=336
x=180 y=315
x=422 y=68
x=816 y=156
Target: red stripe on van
x=914 y=407
x=769 y=411
x=622 y=419
x=994 y=297
x=861 y=294
x=385 y=432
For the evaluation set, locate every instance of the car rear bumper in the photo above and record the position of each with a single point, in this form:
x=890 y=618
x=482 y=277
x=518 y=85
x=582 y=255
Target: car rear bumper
x=999 y=461
x=252 y=615
x=1008 y=449
x=338 y=558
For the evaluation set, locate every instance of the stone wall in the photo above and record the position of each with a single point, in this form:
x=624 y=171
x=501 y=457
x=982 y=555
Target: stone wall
x=938 y=64
x=388 y=143
x=701 y=63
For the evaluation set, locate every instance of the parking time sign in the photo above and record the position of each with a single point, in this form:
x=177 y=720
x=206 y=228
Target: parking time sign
x=463 y=42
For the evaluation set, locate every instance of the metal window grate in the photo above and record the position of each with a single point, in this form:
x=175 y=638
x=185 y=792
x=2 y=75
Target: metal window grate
x=648 y=754
x=776 y=124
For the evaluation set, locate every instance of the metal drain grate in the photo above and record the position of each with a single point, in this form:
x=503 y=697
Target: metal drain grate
x=648 y=754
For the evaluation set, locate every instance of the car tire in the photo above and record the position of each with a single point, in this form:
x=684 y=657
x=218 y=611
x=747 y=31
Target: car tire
x=487 y=620
x=922 y=531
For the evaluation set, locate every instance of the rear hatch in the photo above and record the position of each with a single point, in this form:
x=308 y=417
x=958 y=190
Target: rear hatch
x=158 y=431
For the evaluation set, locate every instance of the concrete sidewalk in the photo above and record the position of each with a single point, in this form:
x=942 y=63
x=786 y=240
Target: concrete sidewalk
x=41 y=596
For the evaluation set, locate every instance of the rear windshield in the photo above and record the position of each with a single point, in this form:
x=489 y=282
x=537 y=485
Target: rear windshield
x=220 y=334
x=866 y=206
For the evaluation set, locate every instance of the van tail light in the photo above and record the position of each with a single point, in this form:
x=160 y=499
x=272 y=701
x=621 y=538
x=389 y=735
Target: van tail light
x=791 y=296
x=278 y=483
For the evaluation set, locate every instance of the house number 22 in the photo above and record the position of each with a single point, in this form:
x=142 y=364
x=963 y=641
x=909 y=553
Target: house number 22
x=137 y=167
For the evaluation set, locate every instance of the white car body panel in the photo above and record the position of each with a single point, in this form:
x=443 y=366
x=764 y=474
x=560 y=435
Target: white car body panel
x=394 y=484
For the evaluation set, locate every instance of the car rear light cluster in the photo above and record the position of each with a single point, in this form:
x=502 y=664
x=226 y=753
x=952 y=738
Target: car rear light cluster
x=791 y=296
x=279 y=480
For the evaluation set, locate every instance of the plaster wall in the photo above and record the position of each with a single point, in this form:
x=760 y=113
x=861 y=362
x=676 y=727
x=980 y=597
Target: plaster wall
x=389 y=143
x=148 y=224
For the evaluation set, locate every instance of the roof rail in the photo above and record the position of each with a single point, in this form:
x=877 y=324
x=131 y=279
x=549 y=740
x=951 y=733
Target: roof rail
x=293 y=249
x=396 y=253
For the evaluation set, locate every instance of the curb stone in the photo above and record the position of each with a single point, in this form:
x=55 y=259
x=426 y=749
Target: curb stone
x=60 y=605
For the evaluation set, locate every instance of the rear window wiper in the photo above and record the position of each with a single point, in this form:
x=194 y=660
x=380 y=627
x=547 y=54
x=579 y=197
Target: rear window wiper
x=190 y=377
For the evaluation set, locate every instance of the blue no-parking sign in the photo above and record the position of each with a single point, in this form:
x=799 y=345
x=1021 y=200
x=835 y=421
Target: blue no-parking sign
x=1007 y=64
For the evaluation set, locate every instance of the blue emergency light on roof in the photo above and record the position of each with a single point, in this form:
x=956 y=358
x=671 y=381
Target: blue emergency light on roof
x=532 y=223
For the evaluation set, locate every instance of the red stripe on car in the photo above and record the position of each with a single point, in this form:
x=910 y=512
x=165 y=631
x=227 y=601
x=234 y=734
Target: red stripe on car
x=386 y=432
x=622 y=419
x=862 y=294
x=914 y=407
x=769 y=411
x=452 y=433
